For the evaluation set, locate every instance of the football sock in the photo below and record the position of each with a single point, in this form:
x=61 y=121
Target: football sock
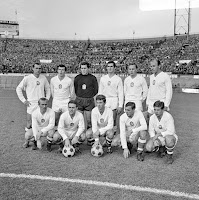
x=141 y=144
x=108 y=141
x=169 y=150
x=49 y=139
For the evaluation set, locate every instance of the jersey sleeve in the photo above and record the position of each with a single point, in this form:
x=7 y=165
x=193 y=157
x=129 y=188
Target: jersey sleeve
x=81 y=126
x=125 y=87
x=169 y=91
x=61 y=128
x=144 y=89
x=170 y=128
x=120 y=93
x=35 y=129
x=19 y=90
x=151 y=127
x=123 y=133
x=52 y=87
x=143 y=124
x=95 y=85
x=101 y=87
x=94 y=121
x=47 y=88
x=72 y=90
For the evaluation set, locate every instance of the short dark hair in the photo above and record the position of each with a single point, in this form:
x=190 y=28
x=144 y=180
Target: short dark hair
x=157 y=61
x=61 y=66
x=37 y=63
x=101 y=97
x=159 y=104
x=73 y=102
x=111 y=62
x=131 y=104
x=85 y=63
x=132 y=64
x=42 y=99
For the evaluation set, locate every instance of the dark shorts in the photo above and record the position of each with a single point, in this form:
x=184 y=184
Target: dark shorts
x=85 y=104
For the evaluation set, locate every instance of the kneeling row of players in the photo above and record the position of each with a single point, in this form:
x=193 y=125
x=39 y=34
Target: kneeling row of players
x=159 y=136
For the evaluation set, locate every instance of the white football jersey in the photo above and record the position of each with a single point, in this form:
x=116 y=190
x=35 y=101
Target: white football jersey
x=112 y=87
x=44 y=122
x=102 y=122
x=35 y=88
x=165 y=125
x=160 y=89
x=135 y=89
x=136 y=123
x=68 y=126
x=62 y=89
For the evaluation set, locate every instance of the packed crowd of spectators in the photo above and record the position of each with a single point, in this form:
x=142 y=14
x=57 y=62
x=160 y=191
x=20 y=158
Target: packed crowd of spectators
x=18 y=55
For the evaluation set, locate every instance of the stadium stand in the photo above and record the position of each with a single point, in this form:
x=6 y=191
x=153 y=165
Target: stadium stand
x=18 y=55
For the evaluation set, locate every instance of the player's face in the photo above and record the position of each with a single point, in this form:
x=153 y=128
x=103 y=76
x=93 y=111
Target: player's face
x=110 y=68
x=84 y=69
x=129 y=111
x=37 y=70
x=61 y=71
x=132 y=70
x=72 y=108
x=154 y=66
x=158 y=111
x=100 y=104
x=43 y=105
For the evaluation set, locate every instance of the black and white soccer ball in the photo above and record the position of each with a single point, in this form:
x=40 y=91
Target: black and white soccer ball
x=68 y=151
x=97 y=150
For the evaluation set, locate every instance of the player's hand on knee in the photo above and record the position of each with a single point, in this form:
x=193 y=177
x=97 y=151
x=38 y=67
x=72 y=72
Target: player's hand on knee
x=67 y=142
x=75 y=140
x=126 y=153
x=27 y=103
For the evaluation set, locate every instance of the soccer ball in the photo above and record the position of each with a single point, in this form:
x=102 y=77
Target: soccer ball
x=97 y=150
x=68 y=151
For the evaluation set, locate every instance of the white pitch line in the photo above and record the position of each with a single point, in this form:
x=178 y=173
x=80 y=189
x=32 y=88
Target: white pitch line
x=104 y=184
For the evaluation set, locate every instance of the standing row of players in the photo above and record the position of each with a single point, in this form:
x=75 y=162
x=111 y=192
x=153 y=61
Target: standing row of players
x=131 y=126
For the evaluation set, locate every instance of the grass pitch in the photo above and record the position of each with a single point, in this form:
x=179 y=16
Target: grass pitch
x=182 y=175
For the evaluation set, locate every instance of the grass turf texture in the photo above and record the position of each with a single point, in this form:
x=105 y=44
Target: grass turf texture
x=181 y=176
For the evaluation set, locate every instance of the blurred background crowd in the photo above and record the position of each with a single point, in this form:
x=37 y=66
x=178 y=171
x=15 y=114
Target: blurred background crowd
x=178 y=56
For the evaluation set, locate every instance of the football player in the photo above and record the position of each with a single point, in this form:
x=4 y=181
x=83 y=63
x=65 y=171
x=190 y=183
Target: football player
x=86 y=87
x=43 y=122
x=135 y=88
x=162 y=132
x=102 y=123
x=112 y=87
x=70 y=128
x=36 y=86
x=62 y=90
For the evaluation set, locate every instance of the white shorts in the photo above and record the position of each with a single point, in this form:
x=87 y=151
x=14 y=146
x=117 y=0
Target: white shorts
x=138 y=104
x=112 y=102
x=34 y=105
x=60 y=105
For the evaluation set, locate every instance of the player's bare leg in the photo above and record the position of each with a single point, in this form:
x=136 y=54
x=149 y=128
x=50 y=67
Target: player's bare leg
x=170 y=142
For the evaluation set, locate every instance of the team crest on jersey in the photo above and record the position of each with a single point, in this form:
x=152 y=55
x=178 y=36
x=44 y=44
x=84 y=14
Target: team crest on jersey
x=153 y=82
x=83 y=86
x=109 y=82
x=60 y=86
x=160 y=126
x=42 y=120
x=131 y=123
x=71 y=124
x=101 y=120
x=38 y=83
x=132 y=84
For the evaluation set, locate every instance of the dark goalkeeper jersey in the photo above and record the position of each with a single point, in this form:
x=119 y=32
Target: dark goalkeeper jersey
x=86 y=86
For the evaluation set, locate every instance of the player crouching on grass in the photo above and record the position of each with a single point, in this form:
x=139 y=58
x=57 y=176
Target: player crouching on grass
x=70 y=128
x=43 y=122
x=133 y=131
x=162 y=132
x=102 y=123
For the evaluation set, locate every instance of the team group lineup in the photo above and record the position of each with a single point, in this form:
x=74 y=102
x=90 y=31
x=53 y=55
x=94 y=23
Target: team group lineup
x=83 y=110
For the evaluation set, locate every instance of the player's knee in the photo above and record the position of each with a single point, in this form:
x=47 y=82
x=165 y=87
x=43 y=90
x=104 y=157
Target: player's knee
x=82 y=137
x=89 y=133
x=170 y=141
x=143 y=135
x=149 y=146
x=116 y=141
x=51 y=133
x=28 y=134
x=56 y=136
x=110 y=134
